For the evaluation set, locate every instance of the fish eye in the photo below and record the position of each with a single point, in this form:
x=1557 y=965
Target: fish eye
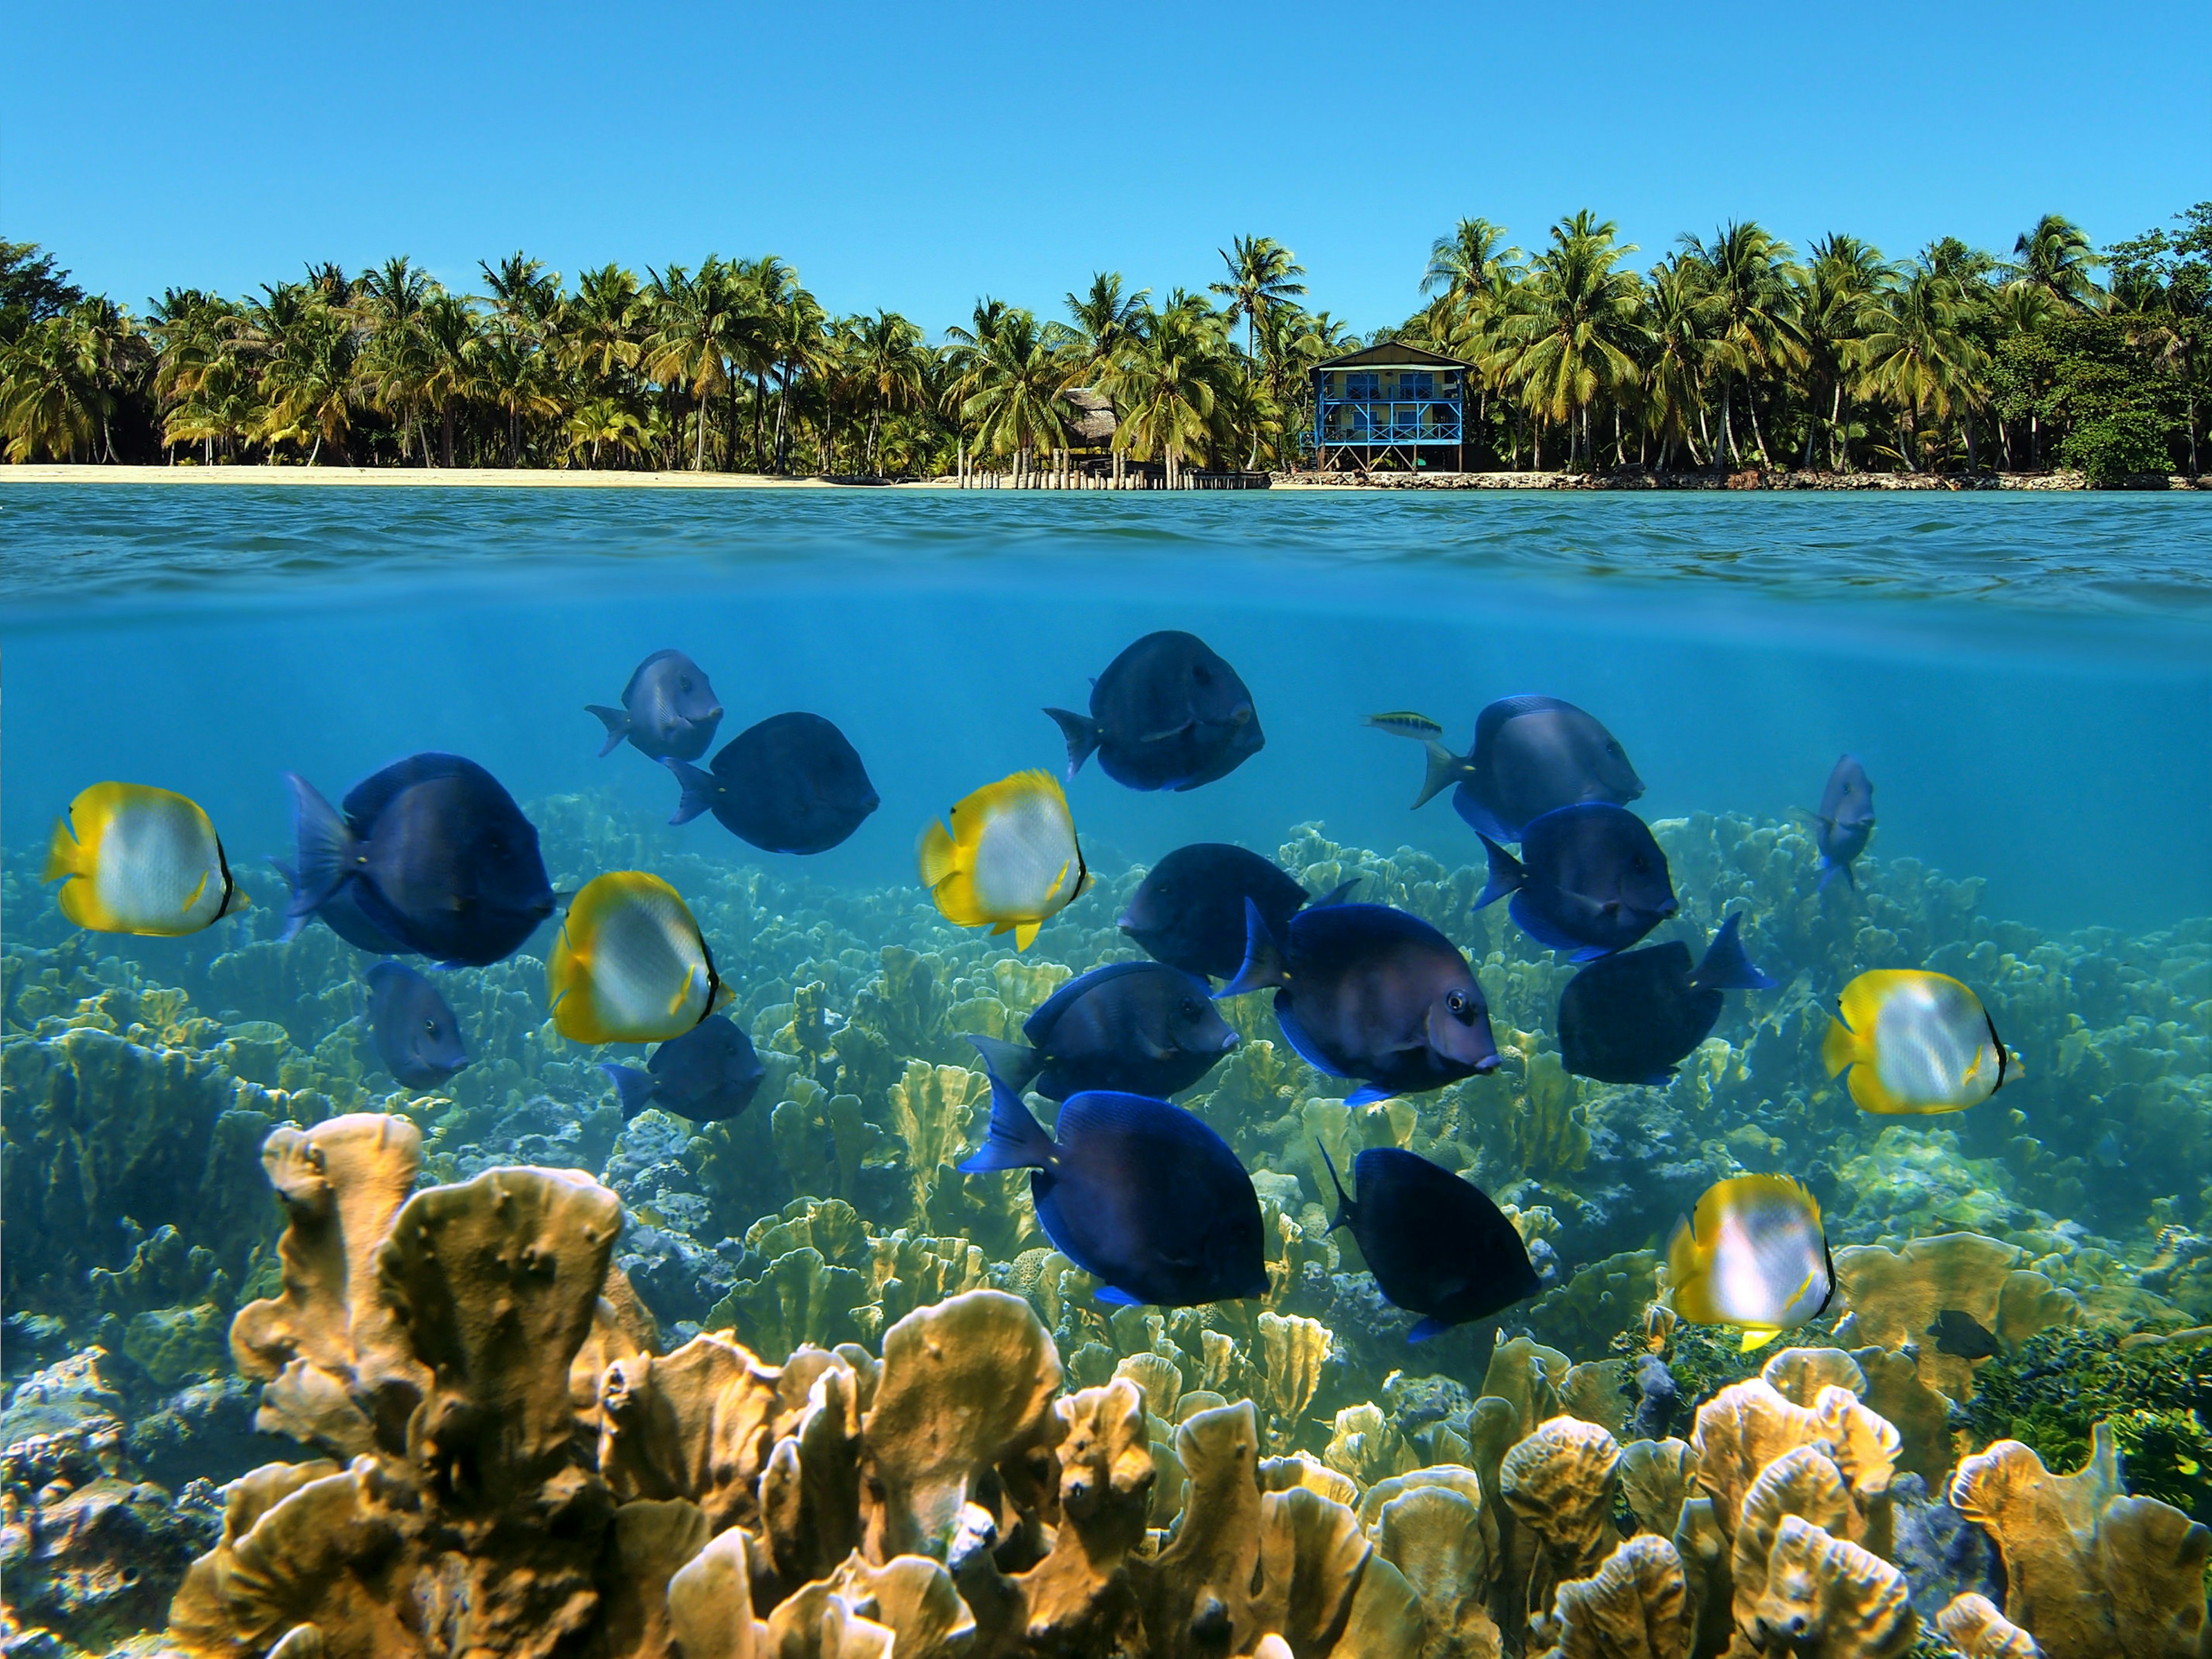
x=430 y=1027
x=1187 y=1009
x=1456 y=1001
x=683 y=684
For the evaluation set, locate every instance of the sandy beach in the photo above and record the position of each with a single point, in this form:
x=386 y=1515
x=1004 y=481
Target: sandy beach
x=457 y=477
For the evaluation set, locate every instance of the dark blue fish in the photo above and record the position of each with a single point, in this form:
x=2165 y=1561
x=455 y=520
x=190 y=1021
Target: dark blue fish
x=792 y=784
x=1167 y=713
x=1963 y=1336
x=708 y=1073
x=668 y=710
x=1189 y=911
x=1138 y=1194
x=343 y=916
x=431 y=852
x=412 y=1027
x=1590 y=880
x=2109 y=1150
x=1364 y=991
x=1531 y=756
x=1633 y=1018
x=1139 y=1028
x=1435 y=1243
x=1844 y=823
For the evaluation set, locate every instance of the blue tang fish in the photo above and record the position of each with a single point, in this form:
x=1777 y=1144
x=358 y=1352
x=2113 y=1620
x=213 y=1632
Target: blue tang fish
x=1141 y=1028
x=432 y=855
x=413 y=1027
x=790 y=784
x=1531 y=756
x=709 y=1073
x=1137 y=1193
x=1844 y=823
x=1633 y=1017
x=1189 y=911
x=1435 y=1243
x=1590 y=880
x=1364 y=991
x=1167 y=713
x=668 y=709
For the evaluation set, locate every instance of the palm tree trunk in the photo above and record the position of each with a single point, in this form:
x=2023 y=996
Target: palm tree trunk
x=699 y=448
x=447 y=411
x=1751 y=413
x=1728 y=421
x=760 y=402
x=1837 y=435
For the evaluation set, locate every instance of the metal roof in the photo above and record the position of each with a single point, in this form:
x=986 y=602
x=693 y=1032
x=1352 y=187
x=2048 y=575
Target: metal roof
x=1393 y=353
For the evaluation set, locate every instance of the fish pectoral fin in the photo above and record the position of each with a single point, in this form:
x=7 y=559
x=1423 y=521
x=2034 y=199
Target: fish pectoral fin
x=1166 y=732
x=1116 y=1297
x=200 y=887
x=1757 y=1336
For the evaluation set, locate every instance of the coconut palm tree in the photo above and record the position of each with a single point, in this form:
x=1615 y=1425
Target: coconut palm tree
x=1262 y=274
x=1576 y=337
x=51 y=397
x=395 y=362
x=1747 y=272
x=310 y=344
x=1917 y=355
x=1101 y=320
x=1016 y=382
x=702 y=330
x=1840 y=293
x=2056 y=257
x=451 y=338
x=890 y=366
x=1169 y=382
x=1678 y=331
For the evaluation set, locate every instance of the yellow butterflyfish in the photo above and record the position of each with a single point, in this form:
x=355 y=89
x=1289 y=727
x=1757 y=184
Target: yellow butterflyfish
x=1009 y=858
x=1752 y=1255
x=630 y=964
x=1914 y=1041
x=133 y=858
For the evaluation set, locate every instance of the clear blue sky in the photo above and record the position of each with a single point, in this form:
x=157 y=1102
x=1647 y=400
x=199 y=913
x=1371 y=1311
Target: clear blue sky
x=917 y=156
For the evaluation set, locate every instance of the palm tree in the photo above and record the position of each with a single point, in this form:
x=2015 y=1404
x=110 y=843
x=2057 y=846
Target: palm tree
x=1469 y=264
x=1015 y=384
x=312 y=346
x=1678 y=328
x=52 y=400
x=1578 y=335
x=451 y=339
x=1101 y=321
x=701 y=327
x=523 y=291
x=797 y=345
x=605 y=421
x=891 y=365
x=1842 y=291
x=1169 y=382
x=1748 y=274
x=2056 y=257
x=1263 y=274
x=515 y=374
x=1916 y=355
x=395 y=363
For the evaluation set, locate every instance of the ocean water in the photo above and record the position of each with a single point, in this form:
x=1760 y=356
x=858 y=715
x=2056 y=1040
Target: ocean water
x=2027 y=679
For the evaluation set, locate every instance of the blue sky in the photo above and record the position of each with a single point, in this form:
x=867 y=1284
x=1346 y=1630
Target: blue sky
x=917 y=157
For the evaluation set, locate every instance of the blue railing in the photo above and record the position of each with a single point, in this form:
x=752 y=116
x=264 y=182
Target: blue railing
x=1349 y=423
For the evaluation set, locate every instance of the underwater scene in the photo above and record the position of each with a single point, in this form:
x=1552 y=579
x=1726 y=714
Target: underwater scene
x=851 y=1074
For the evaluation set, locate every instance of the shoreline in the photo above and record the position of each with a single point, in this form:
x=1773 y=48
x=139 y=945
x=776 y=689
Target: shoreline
x=534 y=478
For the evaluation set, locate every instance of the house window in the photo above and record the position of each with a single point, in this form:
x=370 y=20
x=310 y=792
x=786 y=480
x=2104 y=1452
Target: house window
x=1368 y=385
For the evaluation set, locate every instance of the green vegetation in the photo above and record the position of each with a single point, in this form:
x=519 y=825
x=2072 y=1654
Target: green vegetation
x=1731 y=352
x=2060 y=1384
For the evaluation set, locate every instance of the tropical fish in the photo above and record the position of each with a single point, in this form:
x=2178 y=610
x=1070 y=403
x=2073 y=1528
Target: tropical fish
x=707 y=1074
x=1914 y=1042
x=343 y=916
x=792 y=784
x=133 y=858
x=1405 y=723
x=1589 y=880
x=1140 y=1027
x=2109 y=1150
x=1137 y=1193
x=1633 y=1017
x=1189 y=911
x=1167 y=713
x=1364 y=991
x=431 y=852
x=668 y=710
x=413 y=1027
x=1962 y=1336
x=1010 y=858
x=1531 y=756
x=630 y=964
x=1845 y=821
x=1752 y=1255
x=1435 y=1243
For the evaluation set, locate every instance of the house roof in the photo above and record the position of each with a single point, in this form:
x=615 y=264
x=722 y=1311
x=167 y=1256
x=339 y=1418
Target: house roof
x=1093 y=421
x=1394 y=354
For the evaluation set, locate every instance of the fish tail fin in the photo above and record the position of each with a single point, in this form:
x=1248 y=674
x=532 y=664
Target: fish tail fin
x=633 y=1088
x=1830 y=869
x=1506 y=875
x=617 y=721
x=1263 y=958
x=1344 y=1206
x=1727 y=967
x=322 y=848
x=1840 y=1048
x=64 y=857
x=1082 y=733
x=1014 y=1063
x=1445 y=769
x=1338 y=894
x=699 y=789
x=1015 y=1140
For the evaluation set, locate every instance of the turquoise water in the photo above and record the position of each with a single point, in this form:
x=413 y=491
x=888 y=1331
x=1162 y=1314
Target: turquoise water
x=2027 y=679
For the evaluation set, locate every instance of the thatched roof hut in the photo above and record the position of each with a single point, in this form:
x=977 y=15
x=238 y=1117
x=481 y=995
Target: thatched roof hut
x=1091 y=419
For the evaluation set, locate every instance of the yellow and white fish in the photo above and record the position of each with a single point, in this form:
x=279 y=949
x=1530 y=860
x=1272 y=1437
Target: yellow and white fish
x=1753 y=1254
x=1009 y=858
x=136 y=860
x=631 y=965
x=1914 y=1041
